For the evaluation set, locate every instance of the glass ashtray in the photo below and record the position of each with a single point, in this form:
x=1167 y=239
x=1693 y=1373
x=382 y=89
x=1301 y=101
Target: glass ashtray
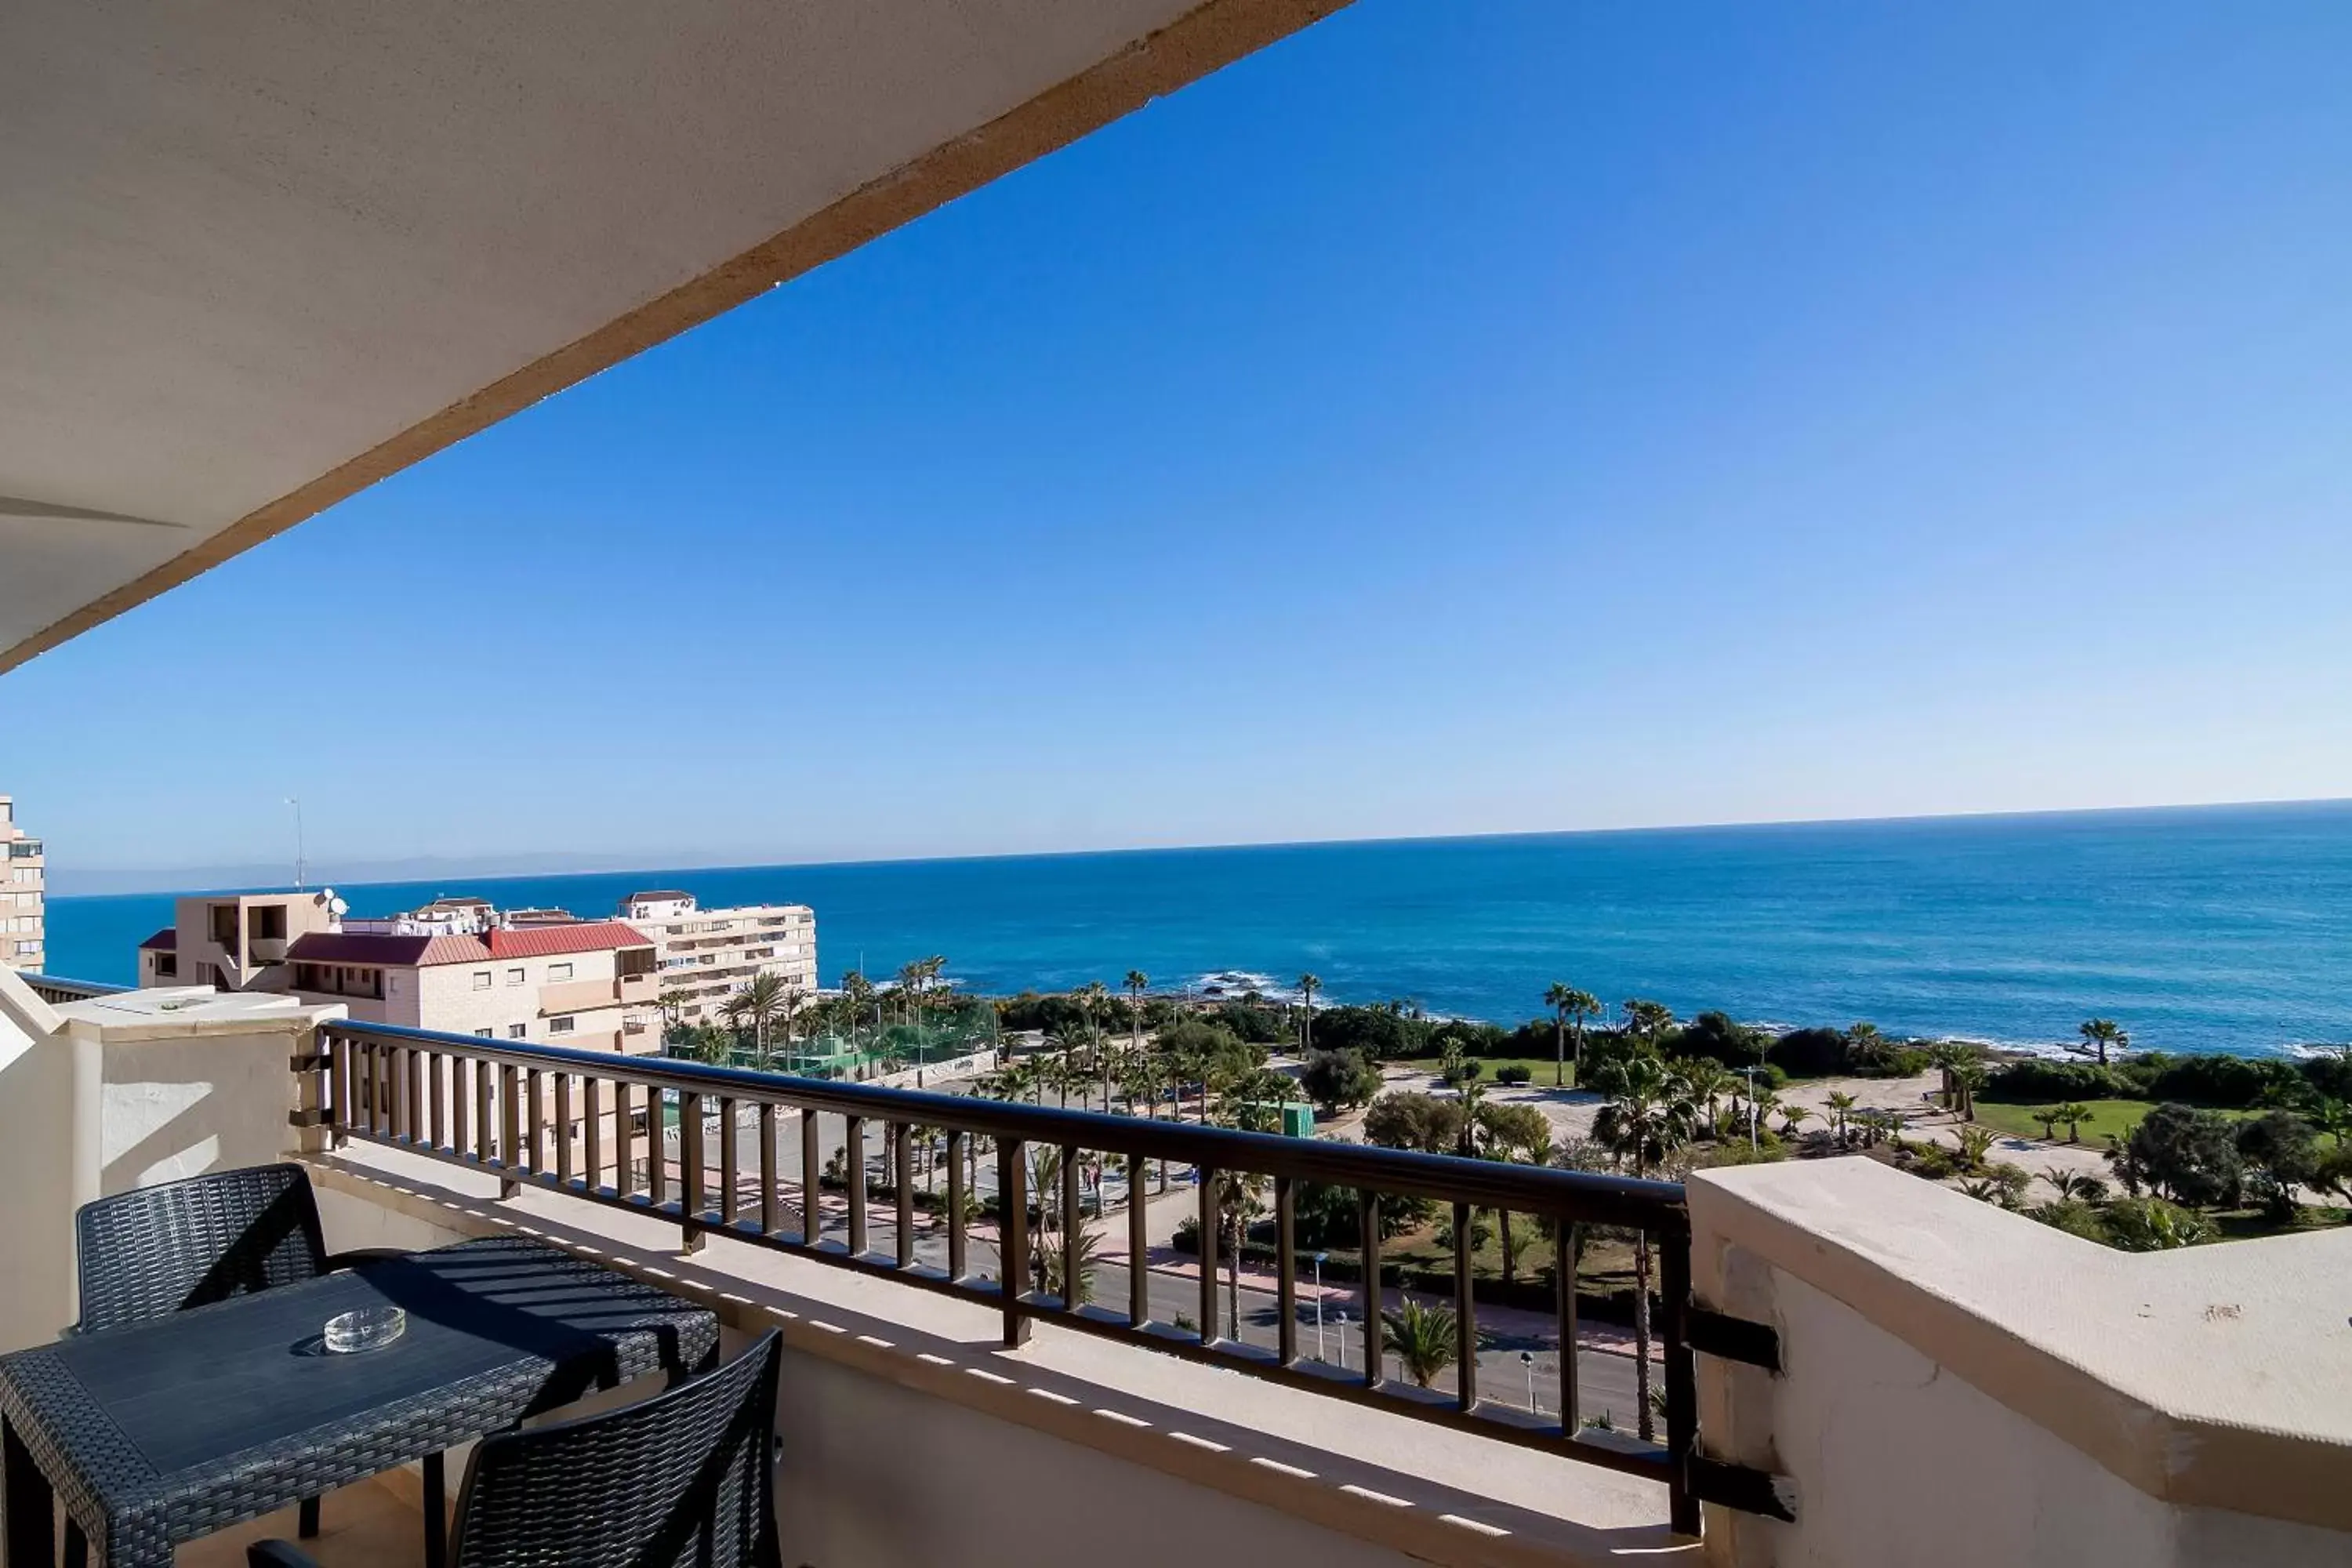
x=366 y=1329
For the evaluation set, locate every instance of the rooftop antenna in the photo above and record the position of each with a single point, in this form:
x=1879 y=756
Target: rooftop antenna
x=301 y=870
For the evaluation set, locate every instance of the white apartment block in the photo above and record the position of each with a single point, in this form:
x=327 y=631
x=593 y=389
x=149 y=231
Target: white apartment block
x=708 y=955
x=23 y=926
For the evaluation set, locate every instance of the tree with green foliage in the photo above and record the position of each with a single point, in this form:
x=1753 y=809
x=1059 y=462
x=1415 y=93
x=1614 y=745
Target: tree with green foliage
x=1414 y=1120
x=1710 y=1083
x=1842 y=1109
x=1569 y=1008
x=2183 y=1153
x=2073 y=1113
x=2101 y=1035
x=1308 y=984
x=1426 y=1339
x=1339 y=1080
x=2281 y=1152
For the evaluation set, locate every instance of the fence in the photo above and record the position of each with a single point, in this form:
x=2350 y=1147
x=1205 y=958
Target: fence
x=569 y=1119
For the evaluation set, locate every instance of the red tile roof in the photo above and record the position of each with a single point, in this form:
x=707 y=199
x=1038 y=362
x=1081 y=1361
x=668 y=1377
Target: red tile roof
x=424 y=952
x=164 y=941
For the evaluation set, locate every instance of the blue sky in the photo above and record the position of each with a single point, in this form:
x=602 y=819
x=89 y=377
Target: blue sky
x=1455 y=419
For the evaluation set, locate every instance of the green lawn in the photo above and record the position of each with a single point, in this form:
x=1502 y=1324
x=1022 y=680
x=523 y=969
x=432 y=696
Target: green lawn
x=2116 y=1116
x=1539 y=1068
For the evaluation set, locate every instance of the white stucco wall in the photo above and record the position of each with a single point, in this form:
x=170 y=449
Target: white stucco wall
x=1964 y=1386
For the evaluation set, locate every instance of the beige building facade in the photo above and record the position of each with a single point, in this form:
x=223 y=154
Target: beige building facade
x=588 y=984
x=24 y=893
x=708 y=955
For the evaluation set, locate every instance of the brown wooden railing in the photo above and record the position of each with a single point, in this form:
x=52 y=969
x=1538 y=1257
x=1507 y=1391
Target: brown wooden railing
x=594 y=1125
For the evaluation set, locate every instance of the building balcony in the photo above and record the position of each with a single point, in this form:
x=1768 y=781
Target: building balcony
x=586 y=995
x=1859 y=1367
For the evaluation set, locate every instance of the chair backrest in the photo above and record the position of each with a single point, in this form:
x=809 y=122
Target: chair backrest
x=161 y=1250
x=685 y=1480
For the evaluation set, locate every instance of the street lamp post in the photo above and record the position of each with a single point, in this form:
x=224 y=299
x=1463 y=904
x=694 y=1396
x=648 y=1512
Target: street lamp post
x=1319 y=1304
x=1528 y=1359
x=1342 y=1326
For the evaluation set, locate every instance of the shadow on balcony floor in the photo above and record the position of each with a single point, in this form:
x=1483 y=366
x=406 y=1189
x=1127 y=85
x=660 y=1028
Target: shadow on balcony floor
x=364 y=1526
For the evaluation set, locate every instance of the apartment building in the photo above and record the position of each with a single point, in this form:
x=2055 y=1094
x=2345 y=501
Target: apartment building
x=587 y=984
x=24 y=929
x=708 y=955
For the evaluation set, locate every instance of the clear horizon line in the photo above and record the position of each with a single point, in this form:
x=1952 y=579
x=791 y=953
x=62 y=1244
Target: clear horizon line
x=690 y=861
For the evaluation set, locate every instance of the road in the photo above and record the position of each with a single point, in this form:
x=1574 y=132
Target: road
x=1605 y=1386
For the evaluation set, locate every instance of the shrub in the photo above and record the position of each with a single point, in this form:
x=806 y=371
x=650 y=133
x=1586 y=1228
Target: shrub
x=1379 y=1034
x=2224 y=1081
x=2151 y=1225
x=1809 y=1053
x=2035 y=1081
x=1259 y=1026
x=2076 y=1217
x=1718 y=1035
x=2282 y=1151
x=1515 y=1073
x=1902 y=1061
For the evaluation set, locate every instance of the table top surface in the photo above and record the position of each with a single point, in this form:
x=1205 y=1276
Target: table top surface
x=496 y=1328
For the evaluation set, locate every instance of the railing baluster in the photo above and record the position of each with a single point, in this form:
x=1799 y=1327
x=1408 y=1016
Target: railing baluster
x=1073 y=1220
x=563 y=1128
x=902 y=1174
x=395 y=1119
x=1465 y=1313
x=956 y=1201
x=534 y=1152
x=770 y=1209
x=1567 y=1234
x=1012 y=1236
x=1209 y=1225
x=658 y=1146
x=379 y=1080
x=694 y=1197
x=416 y=1111
x=1285 y=1265
x=592 y=1128
x=853 y=1171
x=510 y=1130
x=1139 y=1246
x=439 y=1091
x=484 y=1126
x=345 y=1049
x=1368 y=1218
x=1682 y=1380
x=811 y=1182
x=729 y=1165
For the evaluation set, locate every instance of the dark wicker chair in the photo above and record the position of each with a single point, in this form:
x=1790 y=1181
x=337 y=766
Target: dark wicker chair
x=158 y=1251
x=686 y=1479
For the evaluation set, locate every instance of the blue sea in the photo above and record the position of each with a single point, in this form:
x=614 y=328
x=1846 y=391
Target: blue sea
x=2223 y=929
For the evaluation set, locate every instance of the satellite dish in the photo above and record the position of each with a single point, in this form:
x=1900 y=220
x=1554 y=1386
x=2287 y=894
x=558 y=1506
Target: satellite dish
x=338 y=907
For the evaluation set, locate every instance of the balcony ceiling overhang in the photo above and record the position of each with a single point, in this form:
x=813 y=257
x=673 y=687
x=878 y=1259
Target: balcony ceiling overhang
x=256 y=257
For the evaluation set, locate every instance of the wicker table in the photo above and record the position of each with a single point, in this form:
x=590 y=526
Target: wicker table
x=167 y=1430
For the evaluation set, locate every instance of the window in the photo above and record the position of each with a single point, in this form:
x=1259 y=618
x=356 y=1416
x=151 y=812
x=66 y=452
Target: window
x=481 y=980
x=483 y=1033
x=559 y=972
x=560 y=1024
x=167 y=964
x=392 y=984
x=514 y=976
x=515 y=1031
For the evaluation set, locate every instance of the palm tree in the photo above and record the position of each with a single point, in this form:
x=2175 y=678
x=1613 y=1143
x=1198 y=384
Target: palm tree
x=1427 y=1340
x=1967 y=1079
x=2073 y=1113
x=2101 y=1035
x=1710 y=1082
x=1974 y=1143
x=1948 y=1057
x=1569 y=1008
x=1648 y=1117
x=788 y=1006
x=2049 y=1116
x=1793 y=1116
x=755 y=1006
x=2072 y=1185
x=1137 y=983
x=857 y=991
x=1307 y=985
x=1842 y=1106
x=1645 y=1021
